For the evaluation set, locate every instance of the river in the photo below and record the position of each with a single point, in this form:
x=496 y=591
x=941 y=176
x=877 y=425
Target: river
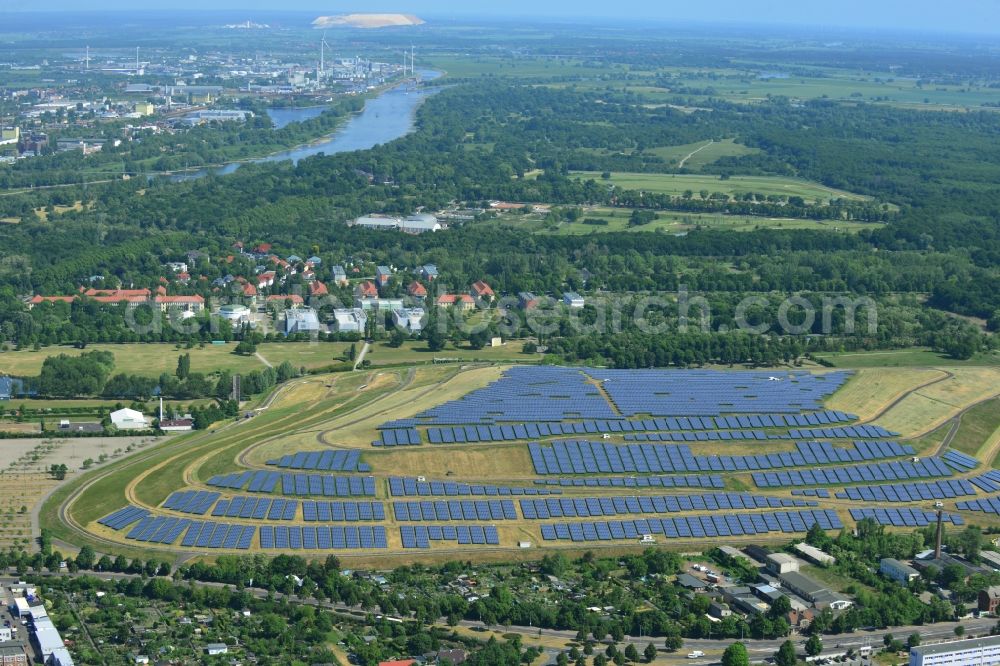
x=386 y=117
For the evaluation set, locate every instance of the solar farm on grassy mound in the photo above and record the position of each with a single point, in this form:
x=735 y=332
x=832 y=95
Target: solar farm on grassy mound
x=584 y=458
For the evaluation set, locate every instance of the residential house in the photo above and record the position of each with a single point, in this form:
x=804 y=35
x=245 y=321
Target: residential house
x=284 y=299
x=317 y=289
x=382 y=275
x=460 y=301
x=314 y=261
x=213 y=649
x=482 y=292
x=429 y=272
x=989 y=599
x=339 y=276
x=265 y=279
x=573 y=300
x=366 y=289
x=527 y=300
x=416 y=290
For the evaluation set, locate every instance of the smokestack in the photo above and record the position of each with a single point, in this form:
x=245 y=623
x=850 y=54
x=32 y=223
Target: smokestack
x=937 y=541
x=161 y=407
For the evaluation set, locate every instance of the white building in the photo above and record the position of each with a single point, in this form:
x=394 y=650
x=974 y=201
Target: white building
x=573 y=299
x=781 y=563
x=972 y=652
x=301 y=320
x=814 y=554
x=349 y=320
x=216 y=648
x=379 y=304
x=129 y=419
x=409 y=319
x=235 y=314
x=898 y=571
x=414 y=224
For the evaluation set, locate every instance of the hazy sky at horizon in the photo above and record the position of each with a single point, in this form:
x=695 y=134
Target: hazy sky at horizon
x=973 y=16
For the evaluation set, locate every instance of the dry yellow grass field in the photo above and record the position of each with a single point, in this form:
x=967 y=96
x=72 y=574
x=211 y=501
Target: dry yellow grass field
x=927 y=408
x=871 y=390
x=478 y=462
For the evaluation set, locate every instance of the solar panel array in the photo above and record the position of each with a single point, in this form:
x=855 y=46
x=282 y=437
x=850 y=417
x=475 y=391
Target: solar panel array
x=257 y=508
x=909 y=492
x=158 y=529
x=846 y=432
x=326 y=485
x=219 y=535
x=322 y=537
x=886 y=471
x=959 y=461
x=123 y=517
x=525 y=393
x=455 y=510
x=904 y=517
x=191 y=501
x=714 y=525
x=261 y=481
x=713 y=392
x=339 y=512
x=988 y=482
x=659 y=429
x=685 y=481
x=587 y=457
x=398 y=437
x=988 y=505
x=585 y=507
x=420 y=536
x=323 y=461
x=409 y=487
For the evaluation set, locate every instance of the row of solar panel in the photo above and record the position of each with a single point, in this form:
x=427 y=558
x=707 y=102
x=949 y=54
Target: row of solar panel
x=988 y=482
x=403 y=487
x=342 y=511
x=988 y=505
x=323 y=461
x=811 y=492
x=322 y=537
x=909 y=492
x=420 y=536
x=455 y=510
x=887 y=471
x=588 y=457
x=399 y=437
x=191 y=501
x=683 y=481
x=904 y=517
x=547 y=393
x=161 y=529
x=123 y=517
x=585 y=507
x=328 y=486
x=693 y=429
x=959 y=461
x=683 y=527
x=535 y=429
x=257 y=508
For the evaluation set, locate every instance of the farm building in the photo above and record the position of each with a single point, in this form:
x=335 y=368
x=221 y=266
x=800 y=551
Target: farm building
x=129 y=419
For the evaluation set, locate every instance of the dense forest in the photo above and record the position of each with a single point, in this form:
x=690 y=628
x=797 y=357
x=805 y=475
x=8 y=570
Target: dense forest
x=938 y=247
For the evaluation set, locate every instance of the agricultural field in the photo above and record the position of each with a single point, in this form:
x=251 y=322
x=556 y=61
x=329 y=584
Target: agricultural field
x=343 y=411
x=678 y=184
x=693 y=156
